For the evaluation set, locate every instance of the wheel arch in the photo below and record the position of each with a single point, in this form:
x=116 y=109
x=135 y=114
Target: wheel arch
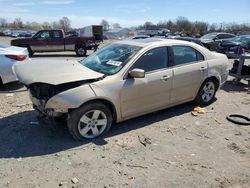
x=215 y=79
x=1 y=81
x=106 y=102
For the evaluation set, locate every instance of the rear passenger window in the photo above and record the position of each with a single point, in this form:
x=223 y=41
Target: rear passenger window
x=153 y=59
x=186 y=54
x=57 y=34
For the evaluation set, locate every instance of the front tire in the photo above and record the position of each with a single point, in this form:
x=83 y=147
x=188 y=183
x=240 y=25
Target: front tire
x=207 y=92
x=89 y=121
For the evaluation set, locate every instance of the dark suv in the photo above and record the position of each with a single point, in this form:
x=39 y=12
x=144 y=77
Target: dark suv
x=235 y=46
x=211 y=40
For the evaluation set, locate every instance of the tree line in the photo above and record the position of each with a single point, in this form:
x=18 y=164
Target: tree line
x=181 y=24
x=64 y=23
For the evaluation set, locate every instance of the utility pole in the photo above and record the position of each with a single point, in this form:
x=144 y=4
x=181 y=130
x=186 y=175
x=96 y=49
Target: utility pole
x=221 y=26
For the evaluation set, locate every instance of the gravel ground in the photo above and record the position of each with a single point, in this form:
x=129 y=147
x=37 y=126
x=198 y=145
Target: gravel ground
x=169 y=148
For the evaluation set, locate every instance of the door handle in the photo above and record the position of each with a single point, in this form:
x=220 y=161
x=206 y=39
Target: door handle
x=165 y=78
x=203 y=68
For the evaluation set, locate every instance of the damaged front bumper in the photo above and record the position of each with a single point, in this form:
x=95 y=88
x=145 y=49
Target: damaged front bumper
x=40 y=106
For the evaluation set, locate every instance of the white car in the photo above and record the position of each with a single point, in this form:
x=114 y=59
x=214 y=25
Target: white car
x=9 y=55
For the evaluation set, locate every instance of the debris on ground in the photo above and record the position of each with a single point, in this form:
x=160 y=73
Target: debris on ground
x=194 y=113
x=144 y=140
x=19 y=159
x=21 y=105
x=217 y=121
x=9 y=95
x=199 y=110
x=62 y=183
x=238 y=119
x=170 y=131
x=137 y=166
x=74 y=180
x=233 y=146
x=171 y=163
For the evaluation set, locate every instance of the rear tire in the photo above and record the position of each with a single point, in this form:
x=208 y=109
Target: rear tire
x=90 y=121
x=207 y=92
x=81 y=51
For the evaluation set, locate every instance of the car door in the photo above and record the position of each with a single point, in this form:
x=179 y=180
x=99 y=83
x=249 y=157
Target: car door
x=42 y=41
x=57 y=41
x=189 y=71
x=143 y=95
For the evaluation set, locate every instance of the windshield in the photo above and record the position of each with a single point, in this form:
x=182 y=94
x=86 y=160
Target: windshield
x=110 y=59
x=209 y=36
x=241 y=39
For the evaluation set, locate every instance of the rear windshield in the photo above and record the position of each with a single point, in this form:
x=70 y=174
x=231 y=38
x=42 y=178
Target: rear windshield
x=209 y=36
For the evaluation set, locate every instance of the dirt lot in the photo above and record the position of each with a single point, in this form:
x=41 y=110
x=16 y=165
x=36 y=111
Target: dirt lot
x=169 y=148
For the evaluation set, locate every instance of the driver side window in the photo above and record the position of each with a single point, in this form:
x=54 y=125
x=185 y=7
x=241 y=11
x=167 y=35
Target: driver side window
x=44 y=35
x=153 y=59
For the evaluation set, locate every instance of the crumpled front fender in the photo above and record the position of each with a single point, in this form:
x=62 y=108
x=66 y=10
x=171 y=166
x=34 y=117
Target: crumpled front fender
x=70 y=99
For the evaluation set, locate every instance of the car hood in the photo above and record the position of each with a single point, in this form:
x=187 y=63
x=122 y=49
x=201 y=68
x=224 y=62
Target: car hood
x=20 y=41
x=53 y=72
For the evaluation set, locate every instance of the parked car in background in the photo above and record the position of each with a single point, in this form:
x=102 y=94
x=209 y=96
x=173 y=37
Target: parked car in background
x=15 y=34
x=235 y=46
x=7 y=32
x=25 y=34
x=140 y=37
x=55 y=41
x=211 y=40
x=190 y=39
x=9 y=55
x=121 y=81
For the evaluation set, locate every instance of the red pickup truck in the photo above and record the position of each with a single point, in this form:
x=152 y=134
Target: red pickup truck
x=56 y=41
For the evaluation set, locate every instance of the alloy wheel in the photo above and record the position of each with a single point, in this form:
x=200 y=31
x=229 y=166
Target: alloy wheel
x=208 y=91
x=92 y=124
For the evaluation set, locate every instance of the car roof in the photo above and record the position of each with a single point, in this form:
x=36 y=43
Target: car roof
x=188 y=38
x=244 y=36
x=217 y=33
x=152 y=42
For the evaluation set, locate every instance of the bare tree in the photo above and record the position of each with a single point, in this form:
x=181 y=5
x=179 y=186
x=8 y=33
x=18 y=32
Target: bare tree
x=3 y=22
x=46 y=25
x=213 y=27
x=18 y=23
x=200 y=28
x=36 y=26
x=105 y=25
x=184 y=25
x=116 y=26
x=55 y=25
x=65 y=24
x=148 y=25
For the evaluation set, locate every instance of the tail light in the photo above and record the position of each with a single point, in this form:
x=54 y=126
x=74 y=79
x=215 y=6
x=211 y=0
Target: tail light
x=17 y=57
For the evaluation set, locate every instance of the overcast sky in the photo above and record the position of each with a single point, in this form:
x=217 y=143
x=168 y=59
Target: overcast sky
x=125 y=12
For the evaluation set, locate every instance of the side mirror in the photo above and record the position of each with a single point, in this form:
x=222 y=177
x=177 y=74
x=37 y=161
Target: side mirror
x=137 y=73
x=216 y=38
